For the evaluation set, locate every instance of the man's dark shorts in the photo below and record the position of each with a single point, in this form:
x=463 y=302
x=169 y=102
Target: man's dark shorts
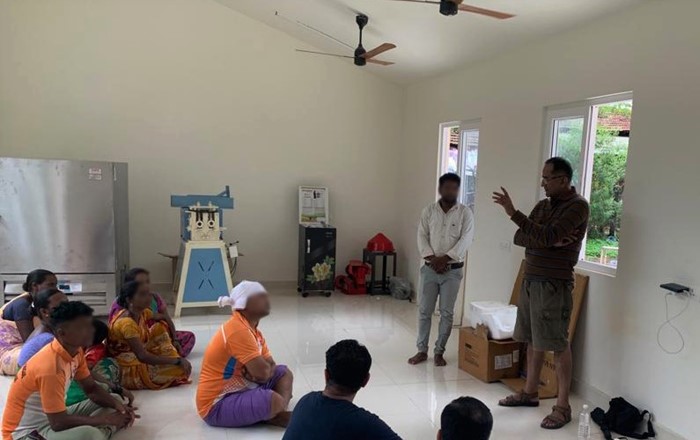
x=544 y=313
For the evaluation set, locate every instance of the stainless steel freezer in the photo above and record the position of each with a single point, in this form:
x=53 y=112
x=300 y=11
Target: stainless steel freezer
x=70 y=217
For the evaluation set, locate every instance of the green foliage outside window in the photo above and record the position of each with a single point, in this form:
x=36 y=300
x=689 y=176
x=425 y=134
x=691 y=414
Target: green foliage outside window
x=608 y=179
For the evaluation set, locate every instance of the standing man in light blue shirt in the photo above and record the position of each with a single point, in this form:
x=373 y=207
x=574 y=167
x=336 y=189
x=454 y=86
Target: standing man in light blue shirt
x=445 y=233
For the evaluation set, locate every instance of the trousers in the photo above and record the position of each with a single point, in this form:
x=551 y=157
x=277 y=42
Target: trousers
x=84 y=408
x=433 y=286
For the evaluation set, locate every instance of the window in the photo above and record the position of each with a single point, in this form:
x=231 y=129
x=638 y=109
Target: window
x=459 y=148
x=594 y=136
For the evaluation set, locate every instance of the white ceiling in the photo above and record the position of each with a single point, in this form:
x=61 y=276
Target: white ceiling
x=428 y=43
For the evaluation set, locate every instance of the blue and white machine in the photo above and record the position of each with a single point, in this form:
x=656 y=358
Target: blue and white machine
x=203 y=272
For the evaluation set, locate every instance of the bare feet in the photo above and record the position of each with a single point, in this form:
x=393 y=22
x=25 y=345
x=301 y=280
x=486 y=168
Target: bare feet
x=281 y=419
x=440 y=361
x=420 y=357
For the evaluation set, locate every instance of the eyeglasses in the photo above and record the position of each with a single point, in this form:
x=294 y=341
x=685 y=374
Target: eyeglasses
x=546 y=179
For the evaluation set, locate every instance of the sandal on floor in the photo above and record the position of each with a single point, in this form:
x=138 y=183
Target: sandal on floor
x=559 y=418
x=521 y=399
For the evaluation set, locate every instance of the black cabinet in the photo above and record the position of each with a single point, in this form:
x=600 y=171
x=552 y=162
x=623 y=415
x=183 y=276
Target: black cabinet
x=316 y=259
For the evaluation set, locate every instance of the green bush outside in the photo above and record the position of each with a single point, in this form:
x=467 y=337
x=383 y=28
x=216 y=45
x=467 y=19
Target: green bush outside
x=594 y=246
x=608 y=182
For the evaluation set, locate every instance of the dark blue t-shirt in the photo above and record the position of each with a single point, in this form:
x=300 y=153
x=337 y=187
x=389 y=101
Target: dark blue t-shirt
x=317 y=417
x=18 y=310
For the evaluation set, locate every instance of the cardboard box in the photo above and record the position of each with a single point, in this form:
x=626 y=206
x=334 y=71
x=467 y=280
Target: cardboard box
x=548 y=388
x=486 y=359
x=548 y=378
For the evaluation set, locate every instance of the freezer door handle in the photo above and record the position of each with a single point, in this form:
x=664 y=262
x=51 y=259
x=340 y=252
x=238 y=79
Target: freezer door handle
x=308 y=246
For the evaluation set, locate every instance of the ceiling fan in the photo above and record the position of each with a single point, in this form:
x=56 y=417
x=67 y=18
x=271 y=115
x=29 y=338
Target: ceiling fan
x=452 y=7
x=361 y=56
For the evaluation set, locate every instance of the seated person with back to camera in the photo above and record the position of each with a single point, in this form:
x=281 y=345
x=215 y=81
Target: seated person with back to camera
x=465 y=418
x=330 y=414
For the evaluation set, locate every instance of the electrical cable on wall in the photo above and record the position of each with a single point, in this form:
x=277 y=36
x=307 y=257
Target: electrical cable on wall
x=669 y=322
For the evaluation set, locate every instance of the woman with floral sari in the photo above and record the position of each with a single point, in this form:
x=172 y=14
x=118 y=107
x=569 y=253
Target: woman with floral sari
x=145 y=353
x=182 y=340
x=17 y=319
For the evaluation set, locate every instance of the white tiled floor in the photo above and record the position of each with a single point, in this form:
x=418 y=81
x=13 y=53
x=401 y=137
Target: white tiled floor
x=409 y=398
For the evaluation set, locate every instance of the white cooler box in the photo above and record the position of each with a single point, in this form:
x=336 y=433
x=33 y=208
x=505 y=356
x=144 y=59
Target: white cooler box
x=498 y=317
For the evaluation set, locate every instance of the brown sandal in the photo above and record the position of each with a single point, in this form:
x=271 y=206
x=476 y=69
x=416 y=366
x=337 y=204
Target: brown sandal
x=521 y=399
x=559 y=418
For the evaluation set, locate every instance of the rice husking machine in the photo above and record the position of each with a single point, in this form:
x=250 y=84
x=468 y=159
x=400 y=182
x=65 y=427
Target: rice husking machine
x=204 y=271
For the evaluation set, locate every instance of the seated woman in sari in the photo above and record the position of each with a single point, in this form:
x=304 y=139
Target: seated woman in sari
x=17 y=320
x=146 y=355
x=103 y=369
x=182 y=340
x=44 y=303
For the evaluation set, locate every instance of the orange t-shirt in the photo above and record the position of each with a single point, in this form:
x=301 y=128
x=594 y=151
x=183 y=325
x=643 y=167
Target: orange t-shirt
x=234 y=345
x=40 y=388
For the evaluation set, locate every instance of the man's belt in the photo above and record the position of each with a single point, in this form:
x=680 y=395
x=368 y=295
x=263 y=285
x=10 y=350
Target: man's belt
x=452 y=266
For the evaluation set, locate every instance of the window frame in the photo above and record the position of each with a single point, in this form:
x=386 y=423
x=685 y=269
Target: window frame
x=464 y=127
x=588 y=110
x=443 y=152
x=444 y=148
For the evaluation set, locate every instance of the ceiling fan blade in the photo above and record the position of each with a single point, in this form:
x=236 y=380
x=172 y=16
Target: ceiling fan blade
x=378 y=50
x=466 y=8
x=380 y=62
x=486 y=12
x=324 y=53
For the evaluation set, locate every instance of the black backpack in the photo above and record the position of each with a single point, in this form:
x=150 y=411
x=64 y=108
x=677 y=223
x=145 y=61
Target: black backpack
x=624 y=419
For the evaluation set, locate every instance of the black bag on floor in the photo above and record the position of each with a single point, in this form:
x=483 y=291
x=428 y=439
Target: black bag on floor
x=624 y=419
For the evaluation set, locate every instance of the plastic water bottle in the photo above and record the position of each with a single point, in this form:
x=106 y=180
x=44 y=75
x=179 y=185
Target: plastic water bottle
x=584 y=424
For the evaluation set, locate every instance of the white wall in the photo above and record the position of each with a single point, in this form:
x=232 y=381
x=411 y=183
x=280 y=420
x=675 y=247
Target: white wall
x=653 y=50
x=195 y=96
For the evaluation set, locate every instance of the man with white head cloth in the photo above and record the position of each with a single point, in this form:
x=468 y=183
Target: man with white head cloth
x=240 y=384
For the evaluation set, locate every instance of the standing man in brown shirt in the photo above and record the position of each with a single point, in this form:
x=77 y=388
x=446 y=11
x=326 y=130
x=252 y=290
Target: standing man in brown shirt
x=552 y=236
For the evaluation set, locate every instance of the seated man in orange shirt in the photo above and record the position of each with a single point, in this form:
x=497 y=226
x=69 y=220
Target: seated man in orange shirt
x=240 y=384
x=35 y=406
